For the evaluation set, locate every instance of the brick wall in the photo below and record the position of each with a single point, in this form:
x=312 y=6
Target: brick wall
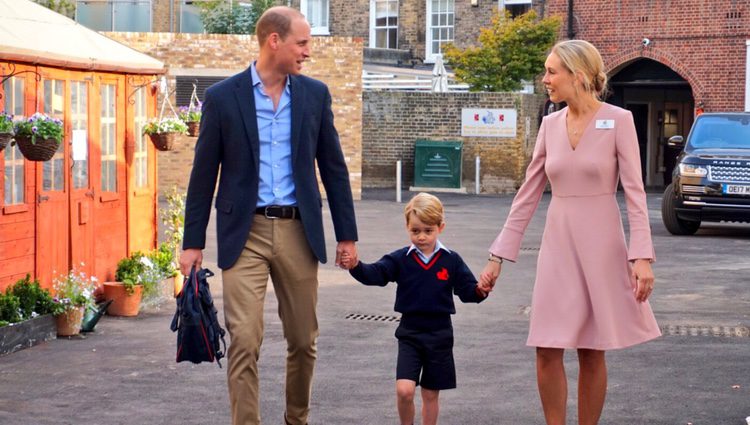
x=392 y=121
x=337 y=61
x=469 y=20
x=703 y=42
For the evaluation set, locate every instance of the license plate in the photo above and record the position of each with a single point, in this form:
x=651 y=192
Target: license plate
x=736 y=189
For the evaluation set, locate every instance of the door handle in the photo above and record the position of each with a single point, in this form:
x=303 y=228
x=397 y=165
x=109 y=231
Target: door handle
x=90 y=194
x=42 y=198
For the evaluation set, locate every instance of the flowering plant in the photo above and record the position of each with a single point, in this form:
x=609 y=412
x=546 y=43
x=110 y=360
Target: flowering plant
x=72 y=291
x=6 y=123
x=40 y=126
x=190 y=113
x=165 y=125
x=138 y=269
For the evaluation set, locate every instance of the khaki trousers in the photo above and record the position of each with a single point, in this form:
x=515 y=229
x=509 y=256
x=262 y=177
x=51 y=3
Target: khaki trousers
x=275 y=247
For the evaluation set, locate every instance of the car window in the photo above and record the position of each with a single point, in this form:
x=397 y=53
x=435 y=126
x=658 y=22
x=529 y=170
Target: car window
x=721 y=132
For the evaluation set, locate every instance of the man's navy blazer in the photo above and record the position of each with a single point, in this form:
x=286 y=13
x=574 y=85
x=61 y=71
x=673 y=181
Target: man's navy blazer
x=228 y=143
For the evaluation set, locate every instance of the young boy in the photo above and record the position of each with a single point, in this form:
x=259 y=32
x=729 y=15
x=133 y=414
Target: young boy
x=427 y=274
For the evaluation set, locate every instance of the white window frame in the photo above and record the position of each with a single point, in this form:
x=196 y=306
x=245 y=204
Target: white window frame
x=55 y=167
x=374 y=27
x=317 y=29
x=430 y=57
x=15 y=168
x=502 y=3
x=108 y=137
x=140 y=156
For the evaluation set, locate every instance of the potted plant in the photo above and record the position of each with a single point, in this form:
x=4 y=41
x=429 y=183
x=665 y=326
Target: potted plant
x=164 y=131
x=173 y=218
x=74 y=293
x=191 y=115
x=136 y=277
x=25 y=316
x=6 y=129
x=39 y=136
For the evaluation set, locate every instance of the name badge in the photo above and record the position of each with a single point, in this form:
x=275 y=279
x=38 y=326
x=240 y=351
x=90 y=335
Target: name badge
x=605 y=124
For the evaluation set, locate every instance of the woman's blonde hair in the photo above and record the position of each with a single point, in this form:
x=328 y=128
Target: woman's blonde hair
x=580 y=56
x=427 y=208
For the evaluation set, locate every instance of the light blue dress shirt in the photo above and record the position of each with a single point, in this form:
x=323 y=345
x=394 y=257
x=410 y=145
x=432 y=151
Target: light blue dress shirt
x=276 y=184
x=425 y=259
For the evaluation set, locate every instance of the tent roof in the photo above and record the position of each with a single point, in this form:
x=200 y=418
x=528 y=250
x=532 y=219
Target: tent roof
x=32 y=33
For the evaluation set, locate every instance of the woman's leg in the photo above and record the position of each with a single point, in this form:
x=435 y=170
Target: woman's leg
x=553 y=385
x=405 y=400
x=592 y=385
x=430 y=406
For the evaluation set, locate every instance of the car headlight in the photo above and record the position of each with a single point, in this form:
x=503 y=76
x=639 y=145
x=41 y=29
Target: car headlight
x=691 y=170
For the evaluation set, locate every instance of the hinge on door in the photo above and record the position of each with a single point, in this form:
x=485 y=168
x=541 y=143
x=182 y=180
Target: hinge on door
x=41 y=198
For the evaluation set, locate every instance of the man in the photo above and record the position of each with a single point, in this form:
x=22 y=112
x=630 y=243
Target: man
x=265 y=128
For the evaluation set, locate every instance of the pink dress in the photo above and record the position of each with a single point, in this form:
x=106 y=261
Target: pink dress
x=583 y=294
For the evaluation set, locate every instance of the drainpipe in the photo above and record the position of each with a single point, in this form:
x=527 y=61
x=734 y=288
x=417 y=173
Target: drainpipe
x=171 y=16
x=571 y=33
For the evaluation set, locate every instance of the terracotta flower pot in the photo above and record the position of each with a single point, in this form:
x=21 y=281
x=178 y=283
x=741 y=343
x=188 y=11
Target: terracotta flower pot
x=123 y=304
x=193 y=128
x=69 y=322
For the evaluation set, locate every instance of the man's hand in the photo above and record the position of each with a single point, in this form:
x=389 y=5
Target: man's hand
x=350 y=249
x=190 y=257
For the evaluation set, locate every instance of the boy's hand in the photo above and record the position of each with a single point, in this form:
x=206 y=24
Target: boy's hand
x=490 y=274
x=485 y=288
x=347 y=261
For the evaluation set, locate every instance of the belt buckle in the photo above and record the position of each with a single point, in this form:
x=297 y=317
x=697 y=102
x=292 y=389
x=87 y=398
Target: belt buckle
x=265 y=213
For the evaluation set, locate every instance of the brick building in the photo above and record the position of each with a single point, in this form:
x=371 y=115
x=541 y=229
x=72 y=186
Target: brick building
x=665 y=61
x=394 y=31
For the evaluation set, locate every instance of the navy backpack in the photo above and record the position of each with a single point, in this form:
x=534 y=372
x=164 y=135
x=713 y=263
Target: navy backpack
x=196 y=321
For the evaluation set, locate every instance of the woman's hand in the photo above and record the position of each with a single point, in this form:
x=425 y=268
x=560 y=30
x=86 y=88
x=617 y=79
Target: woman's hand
x=644 y=279
x=490 y=274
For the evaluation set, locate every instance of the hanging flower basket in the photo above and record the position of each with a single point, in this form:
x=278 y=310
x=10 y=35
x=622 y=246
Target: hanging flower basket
x=193 y=128
x=39 y=136
x=163 y=141
x=6 y=129
x=163 y=132
x=40 y=150
x=191 y=115
x=5 y=138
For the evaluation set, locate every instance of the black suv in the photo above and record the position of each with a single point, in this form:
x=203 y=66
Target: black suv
x=711 y=181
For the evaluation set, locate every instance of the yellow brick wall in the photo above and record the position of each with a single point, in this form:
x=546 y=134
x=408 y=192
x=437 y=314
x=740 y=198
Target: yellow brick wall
x=337 y=61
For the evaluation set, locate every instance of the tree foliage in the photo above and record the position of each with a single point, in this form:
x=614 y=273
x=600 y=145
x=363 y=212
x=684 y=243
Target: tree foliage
x=63 y=7
x=511 y=50
x=220 y=18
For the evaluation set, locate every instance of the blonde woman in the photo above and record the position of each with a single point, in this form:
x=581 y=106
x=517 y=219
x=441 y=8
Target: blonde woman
x=591 y=291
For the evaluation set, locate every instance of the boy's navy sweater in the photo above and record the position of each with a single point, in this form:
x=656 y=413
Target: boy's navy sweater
x=422 y=288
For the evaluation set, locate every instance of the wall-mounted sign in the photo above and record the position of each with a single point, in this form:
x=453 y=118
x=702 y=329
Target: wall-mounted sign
x=488 y=122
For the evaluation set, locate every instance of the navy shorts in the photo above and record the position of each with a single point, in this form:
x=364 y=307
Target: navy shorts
x=426 y=357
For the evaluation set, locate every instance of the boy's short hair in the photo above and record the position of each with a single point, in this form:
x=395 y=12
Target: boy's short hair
x=427 y=208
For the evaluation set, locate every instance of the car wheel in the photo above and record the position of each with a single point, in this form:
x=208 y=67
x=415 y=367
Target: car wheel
x=674 y=224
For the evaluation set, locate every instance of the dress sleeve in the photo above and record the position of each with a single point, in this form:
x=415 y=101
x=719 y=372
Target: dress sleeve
x=629 y=166
x=508 y=242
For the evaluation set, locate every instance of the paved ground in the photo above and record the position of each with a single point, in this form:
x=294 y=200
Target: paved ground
x=124 y=373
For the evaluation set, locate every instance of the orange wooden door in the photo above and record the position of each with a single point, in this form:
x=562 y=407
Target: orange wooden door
x=108 y=175
x=17 y=248
x=52 y=218
x=81 y=198
x=141 y=167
